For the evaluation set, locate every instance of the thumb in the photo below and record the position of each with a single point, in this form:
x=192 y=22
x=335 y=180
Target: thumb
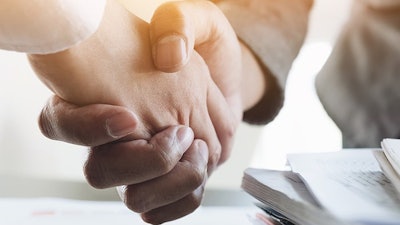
x=89 y=125
x=177 y=28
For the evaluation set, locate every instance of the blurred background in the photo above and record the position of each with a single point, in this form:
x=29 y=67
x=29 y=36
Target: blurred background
x=302 y=125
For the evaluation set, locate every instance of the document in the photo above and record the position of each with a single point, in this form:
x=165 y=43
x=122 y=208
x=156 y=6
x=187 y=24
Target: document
x=285 y=195
x=346 y=187
x=389 y=160
x=350 y=184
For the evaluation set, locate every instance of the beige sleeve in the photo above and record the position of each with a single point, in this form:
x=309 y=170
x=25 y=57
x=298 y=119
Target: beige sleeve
x=47 y=26
x=275 y=32
x=381 y=4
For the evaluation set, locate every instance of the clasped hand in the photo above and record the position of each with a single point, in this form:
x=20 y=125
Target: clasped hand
x=133 y=105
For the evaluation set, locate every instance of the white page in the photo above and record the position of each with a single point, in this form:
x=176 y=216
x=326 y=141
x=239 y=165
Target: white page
x=338 y=182
x=391 y=148
x=283 y=181
x=285 y=193
x=71 y=212
x=388 y=170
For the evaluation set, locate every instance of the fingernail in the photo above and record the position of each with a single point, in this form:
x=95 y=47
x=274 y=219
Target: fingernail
x=121 y=124
x=184 y=134
x=170 y=51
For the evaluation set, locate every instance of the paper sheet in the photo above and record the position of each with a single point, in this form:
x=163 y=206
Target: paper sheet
x=350 y=184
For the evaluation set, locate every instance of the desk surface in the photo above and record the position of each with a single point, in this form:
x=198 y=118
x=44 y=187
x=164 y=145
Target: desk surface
x=43 y=211
x=22 y=187
x=40 y=202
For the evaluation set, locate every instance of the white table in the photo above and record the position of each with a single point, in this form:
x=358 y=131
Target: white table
x=30 y=201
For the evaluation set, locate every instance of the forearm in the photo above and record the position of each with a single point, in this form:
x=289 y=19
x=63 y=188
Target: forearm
x=44 y=26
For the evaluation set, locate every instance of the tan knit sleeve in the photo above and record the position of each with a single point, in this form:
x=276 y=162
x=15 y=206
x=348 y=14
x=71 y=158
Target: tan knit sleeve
x=275 y=31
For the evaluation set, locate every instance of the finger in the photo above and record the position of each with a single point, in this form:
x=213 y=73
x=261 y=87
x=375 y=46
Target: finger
x=176 y=31
x=90 y=125
x=188 y=174
x=175 y=210
x=225 y=124
x=133 y=162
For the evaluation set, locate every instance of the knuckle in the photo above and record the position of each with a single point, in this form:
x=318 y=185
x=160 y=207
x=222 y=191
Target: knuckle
x=46 y=122
x=134 y=201
x=194 y=201
x=215 y=155
x=163 y=161
x=197 y=176
x=224 y=157
x=229 y=130
x=152 y=219
x=95 y=173
x=226 y=138
x=170 y=9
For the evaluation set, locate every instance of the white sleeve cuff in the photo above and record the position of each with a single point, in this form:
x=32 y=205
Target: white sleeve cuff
x=43 y=26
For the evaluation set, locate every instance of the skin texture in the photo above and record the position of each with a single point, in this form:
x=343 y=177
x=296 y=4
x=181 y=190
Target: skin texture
x=115 y=67
x=130 y=111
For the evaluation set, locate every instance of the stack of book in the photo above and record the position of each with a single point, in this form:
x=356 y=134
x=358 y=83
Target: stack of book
x=354 y=186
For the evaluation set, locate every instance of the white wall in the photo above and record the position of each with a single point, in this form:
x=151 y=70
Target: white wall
x=23 y=150
x=301 y=126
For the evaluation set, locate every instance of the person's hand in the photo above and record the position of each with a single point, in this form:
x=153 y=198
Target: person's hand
x=169 y=170
x=180 y=29
x=120 y=66
x=115 y=67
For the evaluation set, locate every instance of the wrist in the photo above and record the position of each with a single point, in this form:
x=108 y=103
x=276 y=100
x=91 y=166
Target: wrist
x=254 y=83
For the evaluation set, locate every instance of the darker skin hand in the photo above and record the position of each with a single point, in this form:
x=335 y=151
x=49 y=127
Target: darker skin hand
x=172 y=158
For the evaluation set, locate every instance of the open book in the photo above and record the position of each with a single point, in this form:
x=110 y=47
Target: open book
x=345 y=187
x=389 y=160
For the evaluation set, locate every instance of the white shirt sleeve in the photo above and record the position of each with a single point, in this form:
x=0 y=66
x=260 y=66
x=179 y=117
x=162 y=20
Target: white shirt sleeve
x=47 y=26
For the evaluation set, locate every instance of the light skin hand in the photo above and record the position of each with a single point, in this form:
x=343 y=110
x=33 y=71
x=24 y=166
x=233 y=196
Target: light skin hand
x=115 y=67
x=60 y=119
x=177 y=33
x=121 y=72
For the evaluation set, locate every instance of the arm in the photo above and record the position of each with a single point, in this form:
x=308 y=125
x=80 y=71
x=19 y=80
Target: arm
x=273 y=31
x=43 y=26
x=114 y=67
x=271 y=34
x=240 y=73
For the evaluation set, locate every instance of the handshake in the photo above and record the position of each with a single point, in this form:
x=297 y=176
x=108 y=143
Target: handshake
x=158 y=103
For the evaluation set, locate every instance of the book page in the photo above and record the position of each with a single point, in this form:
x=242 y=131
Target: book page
x=388 y=169
x=285 y=182
x=286 y=194
x=391 y=148
x=350 y=184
